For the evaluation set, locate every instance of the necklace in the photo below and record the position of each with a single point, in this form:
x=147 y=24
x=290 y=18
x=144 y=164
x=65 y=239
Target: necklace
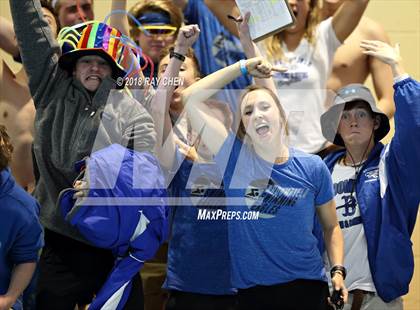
x=357 y=167
x=354 y=165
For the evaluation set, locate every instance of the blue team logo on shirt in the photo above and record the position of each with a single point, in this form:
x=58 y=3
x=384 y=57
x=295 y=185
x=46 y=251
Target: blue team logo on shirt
x=297 y=71
x=349 y=205
x=203 y=188
x=269 y=197
x=372 y=174
x=288 y=78
x=199 y=187
x=345 y=193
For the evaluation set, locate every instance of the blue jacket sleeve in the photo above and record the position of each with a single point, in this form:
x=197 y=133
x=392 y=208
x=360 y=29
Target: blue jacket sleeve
x=400 y=182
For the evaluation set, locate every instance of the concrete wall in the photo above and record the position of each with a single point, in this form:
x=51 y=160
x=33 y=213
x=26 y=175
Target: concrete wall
x=401 y=19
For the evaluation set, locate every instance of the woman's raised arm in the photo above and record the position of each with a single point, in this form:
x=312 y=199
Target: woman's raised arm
x=213 y=132
x=165 y=146
x=252 y=50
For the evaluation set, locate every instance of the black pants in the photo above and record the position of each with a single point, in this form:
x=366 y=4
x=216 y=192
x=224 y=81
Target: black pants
x=191 y=301
x=71 y=273
x=295 y=295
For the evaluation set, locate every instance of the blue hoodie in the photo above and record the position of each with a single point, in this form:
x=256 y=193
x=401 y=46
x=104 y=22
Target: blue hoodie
x=388 y=195
x=20 y=231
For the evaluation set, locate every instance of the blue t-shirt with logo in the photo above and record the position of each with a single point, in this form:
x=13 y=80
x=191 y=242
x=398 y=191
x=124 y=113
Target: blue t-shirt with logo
x=216 y=48
x=198 y=257
x=279 y=247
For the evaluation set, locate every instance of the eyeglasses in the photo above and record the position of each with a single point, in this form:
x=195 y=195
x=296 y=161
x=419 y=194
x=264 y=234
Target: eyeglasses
x=155 y=30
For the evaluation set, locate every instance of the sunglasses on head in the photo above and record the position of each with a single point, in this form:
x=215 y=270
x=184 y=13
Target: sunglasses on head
x=154 y=30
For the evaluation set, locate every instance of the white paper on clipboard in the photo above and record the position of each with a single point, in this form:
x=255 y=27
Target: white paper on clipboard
x=267 y=16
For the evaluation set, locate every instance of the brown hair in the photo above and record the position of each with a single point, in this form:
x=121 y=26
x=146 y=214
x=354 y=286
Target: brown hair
x=190 y=54
x=6 y=148
x=364 y=105
x=143 y=6
x=47 y=5
x=273 y=43
x=360 y=104
x=241 y=132
x=56 y=8
x=58 y=4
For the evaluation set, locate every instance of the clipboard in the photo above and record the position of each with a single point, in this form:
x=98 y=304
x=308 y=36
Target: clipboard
x=268 y=17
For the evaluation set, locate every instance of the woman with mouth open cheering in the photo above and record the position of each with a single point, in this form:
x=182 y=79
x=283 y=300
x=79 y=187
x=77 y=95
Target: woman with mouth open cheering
x=275 y=262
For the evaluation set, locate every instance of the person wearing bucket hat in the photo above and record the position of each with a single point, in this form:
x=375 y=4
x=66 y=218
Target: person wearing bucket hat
x=346 y=97
x=376 y=186
x=78 y=110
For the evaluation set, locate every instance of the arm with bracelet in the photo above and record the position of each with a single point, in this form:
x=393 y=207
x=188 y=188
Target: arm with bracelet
x=334 y=244
x=340 y=269
x=339 y=296
x=213 y=132
x=165 y=146
x=251 y=49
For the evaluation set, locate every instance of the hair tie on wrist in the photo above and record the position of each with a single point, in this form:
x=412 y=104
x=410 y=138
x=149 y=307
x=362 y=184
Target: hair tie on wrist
x=242 y=66
x=338 y=269
x=176 y=55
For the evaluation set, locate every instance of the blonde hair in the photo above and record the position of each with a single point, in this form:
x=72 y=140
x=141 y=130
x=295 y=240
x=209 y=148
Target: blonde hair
x=273 y=43
x=143 y=6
